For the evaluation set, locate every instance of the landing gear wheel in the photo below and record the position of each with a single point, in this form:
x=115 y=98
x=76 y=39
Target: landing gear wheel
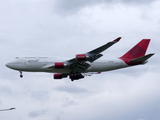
x=21 y=74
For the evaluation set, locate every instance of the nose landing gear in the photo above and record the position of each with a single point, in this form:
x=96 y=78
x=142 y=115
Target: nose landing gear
x=21 y=74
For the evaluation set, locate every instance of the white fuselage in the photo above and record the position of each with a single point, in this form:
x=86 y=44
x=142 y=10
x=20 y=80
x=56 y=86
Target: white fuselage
x=39 y=64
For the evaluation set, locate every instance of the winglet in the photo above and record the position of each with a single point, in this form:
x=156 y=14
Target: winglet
x=116 y=40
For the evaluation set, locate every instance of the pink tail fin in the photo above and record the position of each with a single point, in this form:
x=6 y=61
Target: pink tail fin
x=138 y=50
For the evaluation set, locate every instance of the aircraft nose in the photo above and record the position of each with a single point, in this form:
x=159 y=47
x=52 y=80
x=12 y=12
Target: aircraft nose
x=8 y=65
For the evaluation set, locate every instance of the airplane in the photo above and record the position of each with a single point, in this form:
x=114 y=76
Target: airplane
x=83 y=64
x=7 y=109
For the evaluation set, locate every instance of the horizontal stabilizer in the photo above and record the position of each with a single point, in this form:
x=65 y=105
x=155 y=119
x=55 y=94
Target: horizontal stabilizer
x=141 y=59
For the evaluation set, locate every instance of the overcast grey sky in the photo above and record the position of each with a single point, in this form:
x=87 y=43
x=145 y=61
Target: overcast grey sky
x=64 y=28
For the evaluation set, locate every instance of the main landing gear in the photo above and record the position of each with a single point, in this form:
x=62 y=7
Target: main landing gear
x=21 y=74
x=75 y=76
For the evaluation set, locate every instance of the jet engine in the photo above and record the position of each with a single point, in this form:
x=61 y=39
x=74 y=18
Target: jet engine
x=59 y=76
x=81 y=57
x=59 y=65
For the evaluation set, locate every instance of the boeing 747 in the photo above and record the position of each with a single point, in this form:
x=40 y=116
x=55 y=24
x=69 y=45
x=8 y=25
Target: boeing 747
x=83 y=64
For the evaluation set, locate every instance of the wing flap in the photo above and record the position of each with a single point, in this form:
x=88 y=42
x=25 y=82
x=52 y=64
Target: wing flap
x=95 y=57
x=82 y=66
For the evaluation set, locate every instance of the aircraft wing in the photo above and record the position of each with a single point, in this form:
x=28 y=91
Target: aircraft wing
x=81 y=61
x=102 y=48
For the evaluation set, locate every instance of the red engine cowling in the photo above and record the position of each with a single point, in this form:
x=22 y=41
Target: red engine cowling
x=59 y=76
x=59 y=65
x=81 y=57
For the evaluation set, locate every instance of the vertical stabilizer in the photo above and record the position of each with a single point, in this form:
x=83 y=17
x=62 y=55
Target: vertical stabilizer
x=138 y=50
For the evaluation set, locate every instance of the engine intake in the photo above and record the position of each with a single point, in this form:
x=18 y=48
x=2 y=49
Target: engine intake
x=81 y=57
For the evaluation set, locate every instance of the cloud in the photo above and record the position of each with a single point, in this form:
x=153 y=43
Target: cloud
x=35 y=114
x=38 y=28
x=70 y=6
x=73 y=89
x=124 y=98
